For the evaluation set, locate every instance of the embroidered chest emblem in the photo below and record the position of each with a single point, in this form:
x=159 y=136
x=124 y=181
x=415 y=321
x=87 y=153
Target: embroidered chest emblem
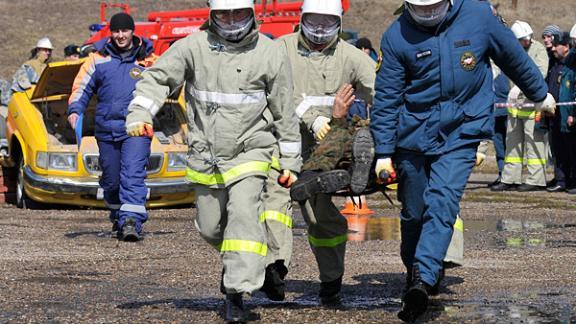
x=135 y=73
x=468 y=61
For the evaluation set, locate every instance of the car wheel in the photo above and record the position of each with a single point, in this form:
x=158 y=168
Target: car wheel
x=22 y=200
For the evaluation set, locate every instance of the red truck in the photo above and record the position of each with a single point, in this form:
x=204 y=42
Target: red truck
x=165 y=27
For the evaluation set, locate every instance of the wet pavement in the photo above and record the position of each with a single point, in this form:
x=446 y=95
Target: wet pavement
x=64 y=266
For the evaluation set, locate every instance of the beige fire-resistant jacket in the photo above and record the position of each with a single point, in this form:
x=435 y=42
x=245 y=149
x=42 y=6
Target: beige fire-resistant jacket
x=319 y=75
x=239 y=105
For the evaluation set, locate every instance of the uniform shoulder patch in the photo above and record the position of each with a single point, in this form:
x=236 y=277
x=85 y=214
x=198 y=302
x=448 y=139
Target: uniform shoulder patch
x=468 y=61
x=379 y=63
x=135 y=73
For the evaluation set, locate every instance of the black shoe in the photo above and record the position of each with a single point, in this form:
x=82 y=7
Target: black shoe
x=415 y=301
x=274 y=285
x=322 y=182
x=115 y=228
x=556 y=188
x=235 y=312
x=571 y=191
x=528 y=187
x=330 y=293
x=503 y=187
x=434 y=290
x=362 y=158
x=128 y=232
x=496 y=182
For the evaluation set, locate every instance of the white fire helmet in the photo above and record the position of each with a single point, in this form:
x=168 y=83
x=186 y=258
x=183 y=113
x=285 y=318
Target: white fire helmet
x=232 y=30
x=44 y=43
x=321 y=20
x=428 y=13
x=522 y=30
x=573 y=32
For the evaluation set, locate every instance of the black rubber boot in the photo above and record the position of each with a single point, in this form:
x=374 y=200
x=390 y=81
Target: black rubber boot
x=330 y=293
x=415 y=300
x=129 y=233
x=274 y=284
x=434 y=290
x=235 y=312
x=320 y=182
x=362 y=158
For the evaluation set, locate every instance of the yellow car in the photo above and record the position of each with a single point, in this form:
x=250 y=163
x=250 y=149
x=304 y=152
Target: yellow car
x=53 y=169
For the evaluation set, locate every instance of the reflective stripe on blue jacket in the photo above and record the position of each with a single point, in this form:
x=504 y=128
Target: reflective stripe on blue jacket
x=434 y=90
x=113 y=79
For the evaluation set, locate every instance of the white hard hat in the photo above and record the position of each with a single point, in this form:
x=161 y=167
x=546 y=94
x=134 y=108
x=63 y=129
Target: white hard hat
x=230 y=4
x=324 y=7
x=573 y=32
x=44 y=43
x=521 y=29
x=423 y=2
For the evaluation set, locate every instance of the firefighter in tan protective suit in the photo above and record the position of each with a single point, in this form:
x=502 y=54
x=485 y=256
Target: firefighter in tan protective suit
x=526 y=141
x=321 y=65
x=238 y=90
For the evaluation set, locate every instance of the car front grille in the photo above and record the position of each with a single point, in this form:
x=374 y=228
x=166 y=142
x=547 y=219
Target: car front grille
x=92 y=165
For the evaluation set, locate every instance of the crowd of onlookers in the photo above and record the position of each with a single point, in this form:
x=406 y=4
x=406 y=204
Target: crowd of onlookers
x=525 y=139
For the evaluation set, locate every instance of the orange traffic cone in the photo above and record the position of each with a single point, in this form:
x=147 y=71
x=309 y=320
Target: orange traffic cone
x=357 y=225
x=356 y=205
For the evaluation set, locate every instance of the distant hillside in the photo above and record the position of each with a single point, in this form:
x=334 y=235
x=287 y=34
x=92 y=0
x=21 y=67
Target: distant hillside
x=66 y=21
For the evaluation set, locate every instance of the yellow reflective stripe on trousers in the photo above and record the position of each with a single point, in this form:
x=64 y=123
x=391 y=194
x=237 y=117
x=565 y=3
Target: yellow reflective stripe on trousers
x=515 y=112
x=276 y=216
x=536 y=161
x=327 y=242
x=222 y=178
x=519 y=160
x=244 y=246
x=513 y=160
x=459 y=225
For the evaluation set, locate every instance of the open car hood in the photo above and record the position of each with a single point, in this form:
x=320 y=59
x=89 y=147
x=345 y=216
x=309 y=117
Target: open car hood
x=57 y=79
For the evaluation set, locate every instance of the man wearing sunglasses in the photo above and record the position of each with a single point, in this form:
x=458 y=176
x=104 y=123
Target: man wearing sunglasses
x=238 y=97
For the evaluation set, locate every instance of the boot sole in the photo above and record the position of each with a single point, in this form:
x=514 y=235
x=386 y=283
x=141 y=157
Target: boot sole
x=326 y=182
x=415 y=304
x=363 y=156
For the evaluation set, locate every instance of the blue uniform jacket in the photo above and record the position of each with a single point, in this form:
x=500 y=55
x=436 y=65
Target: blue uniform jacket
x=567 y=93
x=113 y=79
x=434 y=90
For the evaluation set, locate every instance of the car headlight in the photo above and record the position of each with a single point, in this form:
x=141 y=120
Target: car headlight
x=56 y=161
x=42 y=160
x=177 y=161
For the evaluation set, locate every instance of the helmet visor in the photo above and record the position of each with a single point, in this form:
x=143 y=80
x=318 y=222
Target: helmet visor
x=320 y=29
x=430 y=15
x=233 y=24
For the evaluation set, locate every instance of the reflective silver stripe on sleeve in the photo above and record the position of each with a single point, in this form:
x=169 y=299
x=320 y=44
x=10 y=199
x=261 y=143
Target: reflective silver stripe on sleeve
x=146 y=103
x=112 y=206
x=133 y=208
x=310 y=101
x=228 y=98
x=290 y=147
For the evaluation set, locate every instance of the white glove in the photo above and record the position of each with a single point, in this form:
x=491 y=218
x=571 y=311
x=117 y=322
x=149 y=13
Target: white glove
x=514 y=94
x=385 y=167
x=321 y=127
x=548 y=105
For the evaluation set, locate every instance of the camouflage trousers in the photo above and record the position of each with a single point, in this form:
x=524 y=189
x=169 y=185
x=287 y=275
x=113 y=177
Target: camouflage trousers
x=335 y=150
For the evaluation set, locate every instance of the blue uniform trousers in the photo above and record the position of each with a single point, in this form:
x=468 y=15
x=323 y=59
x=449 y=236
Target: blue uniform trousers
x=499 y=140
x=430 y=188
x=123 y=165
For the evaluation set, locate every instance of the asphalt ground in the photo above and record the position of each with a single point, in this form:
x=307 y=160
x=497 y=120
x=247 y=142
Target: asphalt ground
x=63 y=266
